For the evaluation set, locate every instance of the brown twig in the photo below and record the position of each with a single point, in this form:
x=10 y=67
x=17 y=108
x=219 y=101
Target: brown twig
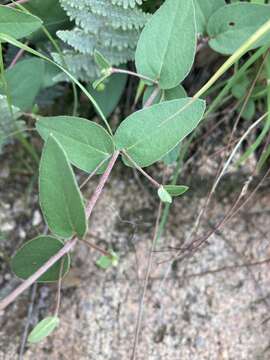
x=69 y=245
x=96 y=247
x=153 y=181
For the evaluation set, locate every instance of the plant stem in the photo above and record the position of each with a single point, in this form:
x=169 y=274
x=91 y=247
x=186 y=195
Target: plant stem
x=17 y=3
x=20 y=45
x=152 y=97
x=235 y=57
x=59 y=51
x=69 y=245
x=96 y=247
x=16 y=58
x=153 y=181
x=146 y=280
x=128 y=72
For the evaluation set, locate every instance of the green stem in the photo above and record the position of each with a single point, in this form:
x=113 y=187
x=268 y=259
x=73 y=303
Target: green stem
x=60 y=53
x=20 y=45
x=235 y=57
x=26 y=144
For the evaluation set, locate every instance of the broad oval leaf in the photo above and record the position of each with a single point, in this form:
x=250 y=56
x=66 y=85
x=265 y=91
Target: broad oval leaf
x=105 y=262
x=230 y=26
x=60 y=198
x=86 y=143
x=149 y=134
x=166 y=47
x=43 y=329
x=203 y=10
x=33 y=254
x=17 y=23
x=176 y=190
x=24 y=81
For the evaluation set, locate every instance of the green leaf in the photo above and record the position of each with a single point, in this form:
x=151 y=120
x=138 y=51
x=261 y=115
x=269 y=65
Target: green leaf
x=105 y=262
x=86 y=143
x=172 y=156
x=240 y=88
x=24 y=82
x=52 y=14
x=149 y=134
x=203 y=10
x=176 y=190
x=249 y=111
x=164 y=195
x=16 y=23
x=8 y=124
x=230 y=26
x=101 y=61
x=43 y=329
x=109 y=98
x=175 y=93
x=60 y=198
x=167 y=45
x=171 y=94
x=33 y=254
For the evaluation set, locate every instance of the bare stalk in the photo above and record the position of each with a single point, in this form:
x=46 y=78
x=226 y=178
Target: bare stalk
x=147 y=276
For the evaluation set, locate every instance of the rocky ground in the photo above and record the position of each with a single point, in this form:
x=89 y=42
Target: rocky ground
x=213 y=305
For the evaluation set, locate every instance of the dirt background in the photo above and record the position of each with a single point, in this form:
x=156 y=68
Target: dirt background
x=206 y=307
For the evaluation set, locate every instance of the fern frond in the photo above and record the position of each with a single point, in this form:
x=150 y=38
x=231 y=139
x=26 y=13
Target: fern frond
x=109 y=26
x=127 y=3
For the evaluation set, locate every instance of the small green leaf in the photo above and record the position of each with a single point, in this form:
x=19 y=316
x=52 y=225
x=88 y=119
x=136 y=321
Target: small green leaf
x=231 y=25
x=164 y=195
x=149 y=134
x=43 y=329
x=86 y=143
x=24 y=81
x=17 y=23
x=101 y=61
x=104 y=262
x=166 y=47
x=203 y=10
x=33 y=254
x=175 y=93
x=60 y=198
x=176 y=190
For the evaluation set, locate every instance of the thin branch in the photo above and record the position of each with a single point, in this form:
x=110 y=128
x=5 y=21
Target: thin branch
x=128 y=72
x=59 y=285
x=28 y=320
x=69 y=245
x=153 y=181
x=17 y=57
x=96 y=247
x=93 y=173
x=152 y=97
x=146 y=280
